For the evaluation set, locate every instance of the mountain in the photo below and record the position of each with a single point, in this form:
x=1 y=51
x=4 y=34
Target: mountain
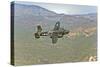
x=22 y=9
x=85 y=21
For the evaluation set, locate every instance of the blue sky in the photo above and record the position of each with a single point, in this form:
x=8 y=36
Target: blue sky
x=64 y=8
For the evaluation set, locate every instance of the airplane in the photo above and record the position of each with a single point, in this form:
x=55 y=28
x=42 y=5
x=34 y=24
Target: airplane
x=56 y=33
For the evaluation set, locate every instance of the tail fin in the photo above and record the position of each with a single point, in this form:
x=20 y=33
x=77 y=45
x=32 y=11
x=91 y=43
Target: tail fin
x=39 y=29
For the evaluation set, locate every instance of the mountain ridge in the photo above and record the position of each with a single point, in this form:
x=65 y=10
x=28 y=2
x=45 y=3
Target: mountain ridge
x=37 y=10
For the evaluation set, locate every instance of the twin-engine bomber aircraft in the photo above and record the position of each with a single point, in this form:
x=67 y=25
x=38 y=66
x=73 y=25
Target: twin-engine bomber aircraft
x=56 y=33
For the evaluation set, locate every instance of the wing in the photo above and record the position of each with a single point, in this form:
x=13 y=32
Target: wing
x=54 y=38
x=57 y=26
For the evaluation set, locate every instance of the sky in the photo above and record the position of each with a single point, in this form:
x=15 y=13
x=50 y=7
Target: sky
x=64 y=8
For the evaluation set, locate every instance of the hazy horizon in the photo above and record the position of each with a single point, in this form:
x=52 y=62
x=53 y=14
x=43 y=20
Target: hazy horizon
x=61 y=8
